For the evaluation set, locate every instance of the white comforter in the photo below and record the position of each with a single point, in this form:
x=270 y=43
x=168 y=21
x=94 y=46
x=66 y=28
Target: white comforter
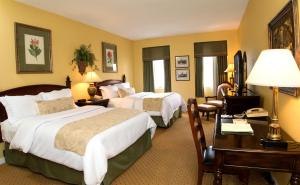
x=36 y=135
x=171 y=102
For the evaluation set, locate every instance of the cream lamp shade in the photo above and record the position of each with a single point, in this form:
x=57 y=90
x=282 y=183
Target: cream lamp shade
x=91 y=77
x=276 y=68
x=229 y=69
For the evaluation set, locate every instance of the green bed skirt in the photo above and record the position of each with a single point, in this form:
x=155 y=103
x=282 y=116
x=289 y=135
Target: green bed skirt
x=160 y=122
x=116 y=165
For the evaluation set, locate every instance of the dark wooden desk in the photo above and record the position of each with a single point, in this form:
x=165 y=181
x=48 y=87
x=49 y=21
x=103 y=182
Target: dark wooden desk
x=245 y=151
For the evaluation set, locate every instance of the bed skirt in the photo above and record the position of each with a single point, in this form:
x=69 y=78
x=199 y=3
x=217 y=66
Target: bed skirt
x=116 y=165
x=160 y=123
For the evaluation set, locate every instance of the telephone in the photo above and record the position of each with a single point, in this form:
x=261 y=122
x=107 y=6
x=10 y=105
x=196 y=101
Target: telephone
x=256 y=112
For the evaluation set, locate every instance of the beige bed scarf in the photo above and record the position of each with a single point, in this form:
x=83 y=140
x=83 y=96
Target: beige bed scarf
x=75 y=136
x=155 y=103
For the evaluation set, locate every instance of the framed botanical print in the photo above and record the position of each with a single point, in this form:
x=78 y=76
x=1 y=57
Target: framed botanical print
x=283 y=33
x=182 y=74
x=109 y=58
x=182 y=61
x=33 y=49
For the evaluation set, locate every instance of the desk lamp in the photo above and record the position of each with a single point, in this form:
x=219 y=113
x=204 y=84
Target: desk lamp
x=90 y=78
x=275 y=68
x=230 y=69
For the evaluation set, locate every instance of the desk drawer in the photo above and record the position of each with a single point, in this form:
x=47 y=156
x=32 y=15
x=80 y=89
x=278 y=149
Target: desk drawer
x=259 y=160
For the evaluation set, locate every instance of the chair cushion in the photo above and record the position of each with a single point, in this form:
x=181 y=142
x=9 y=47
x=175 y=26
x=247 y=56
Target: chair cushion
x=209 y=156
x=217 y=103
x=206 y=107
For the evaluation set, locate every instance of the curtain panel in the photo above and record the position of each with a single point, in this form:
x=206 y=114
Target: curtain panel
x=199 y=77
x=221 y=65
x=167 y=75
x=156 y=53
x=148 y=76
x=207 y=49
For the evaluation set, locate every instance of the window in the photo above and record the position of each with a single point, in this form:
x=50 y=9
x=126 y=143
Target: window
x=159 y=75
x=208 y=76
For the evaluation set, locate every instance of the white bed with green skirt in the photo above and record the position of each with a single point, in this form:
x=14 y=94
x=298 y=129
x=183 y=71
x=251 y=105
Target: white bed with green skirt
x=30 y=142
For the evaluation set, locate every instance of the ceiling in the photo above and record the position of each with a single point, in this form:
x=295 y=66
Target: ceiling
x=142 y=19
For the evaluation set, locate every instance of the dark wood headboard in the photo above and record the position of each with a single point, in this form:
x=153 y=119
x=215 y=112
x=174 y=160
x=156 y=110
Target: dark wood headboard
x=29 y=90
x=108 y=82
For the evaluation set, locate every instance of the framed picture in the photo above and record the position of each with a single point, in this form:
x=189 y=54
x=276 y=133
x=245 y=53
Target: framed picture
x=33 y=49
x=283 y=33
x=182 y=74
x=182 y=61
x=109 y=58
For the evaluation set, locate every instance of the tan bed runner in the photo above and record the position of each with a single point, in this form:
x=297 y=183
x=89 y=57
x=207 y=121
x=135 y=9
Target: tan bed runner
x=75 y=136
x=154 y=104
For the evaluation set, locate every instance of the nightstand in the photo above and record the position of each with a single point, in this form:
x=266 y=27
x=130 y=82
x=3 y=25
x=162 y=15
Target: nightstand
x=100 y=102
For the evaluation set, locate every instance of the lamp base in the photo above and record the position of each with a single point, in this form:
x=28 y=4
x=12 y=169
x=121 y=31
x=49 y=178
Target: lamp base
x=92 y=91
x=274 y=132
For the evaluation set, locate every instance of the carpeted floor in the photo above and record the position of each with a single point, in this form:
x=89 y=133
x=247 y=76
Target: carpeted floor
x=171 y=161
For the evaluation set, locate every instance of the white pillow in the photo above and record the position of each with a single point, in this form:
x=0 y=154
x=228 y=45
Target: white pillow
x=123 y=92
x=56 y=94
x=125 y=85
x=18 y=107
x=109 y=91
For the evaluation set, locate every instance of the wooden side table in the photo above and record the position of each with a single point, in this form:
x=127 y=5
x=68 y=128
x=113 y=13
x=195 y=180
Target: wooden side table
x=100 y=102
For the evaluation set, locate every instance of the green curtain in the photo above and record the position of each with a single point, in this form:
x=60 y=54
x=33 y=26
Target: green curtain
x=221 y=65
x=156 y=53
x=148 y=76
x=167 y=75
x=199 y=77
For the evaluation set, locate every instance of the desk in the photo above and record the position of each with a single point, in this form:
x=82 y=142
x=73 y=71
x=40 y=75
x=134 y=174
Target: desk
x=245 y=151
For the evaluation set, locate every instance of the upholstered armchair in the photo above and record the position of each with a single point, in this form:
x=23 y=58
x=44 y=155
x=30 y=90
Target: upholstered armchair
x=218 y=100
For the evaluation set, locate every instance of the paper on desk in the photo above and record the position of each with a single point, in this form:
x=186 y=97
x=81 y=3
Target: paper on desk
x=236 y=128
x=239 y=121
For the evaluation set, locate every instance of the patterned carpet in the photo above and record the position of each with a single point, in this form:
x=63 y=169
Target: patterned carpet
x=171 y=161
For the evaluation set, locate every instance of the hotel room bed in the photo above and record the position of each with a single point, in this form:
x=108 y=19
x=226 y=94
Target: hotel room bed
x=69 y=166
x=171 y=107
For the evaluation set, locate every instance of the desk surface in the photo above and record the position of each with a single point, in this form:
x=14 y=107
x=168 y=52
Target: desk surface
x=250 y=143
x=245 y=151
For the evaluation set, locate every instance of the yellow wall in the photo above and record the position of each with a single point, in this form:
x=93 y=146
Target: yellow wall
x=253 y=36
x=66 y=36
x=181 y=45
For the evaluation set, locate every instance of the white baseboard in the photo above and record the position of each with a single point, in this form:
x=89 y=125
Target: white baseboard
x=2 y=160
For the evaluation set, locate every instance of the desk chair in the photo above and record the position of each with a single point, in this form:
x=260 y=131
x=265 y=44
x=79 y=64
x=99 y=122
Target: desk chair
x=218 y=100
x=205 y=154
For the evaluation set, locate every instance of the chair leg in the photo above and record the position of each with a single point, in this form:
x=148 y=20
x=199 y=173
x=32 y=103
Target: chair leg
x=200 y=175
x=207 y=115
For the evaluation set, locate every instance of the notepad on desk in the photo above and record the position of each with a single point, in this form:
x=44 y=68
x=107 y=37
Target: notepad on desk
x=239 y=129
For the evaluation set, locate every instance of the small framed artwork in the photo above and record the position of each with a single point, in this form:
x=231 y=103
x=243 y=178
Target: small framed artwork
x=283 y=33
x=182 y=74
x=182 y=61
x=109 y=58
x=33 y=49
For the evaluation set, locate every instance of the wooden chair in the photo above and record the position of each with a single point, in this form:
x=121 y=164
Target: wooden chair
x=205 y=154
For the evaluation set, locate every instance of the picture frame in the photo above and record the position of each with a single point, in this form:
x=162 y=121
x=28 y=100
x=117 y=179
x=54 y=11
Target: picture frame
x=283 y=33
x=182 y=61
x=182 y=74
x=109 y=58
x=33 y=49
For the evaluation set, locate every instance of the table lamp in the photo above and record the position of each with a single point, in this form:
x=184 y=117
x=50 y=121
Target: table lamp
x=90 y=78
x=275 y=68
x=230 y=69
